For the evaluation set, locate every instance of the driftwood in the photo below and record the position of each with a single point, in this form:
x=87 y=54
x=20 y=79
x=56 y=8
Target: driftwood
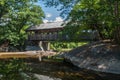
x=27 y=54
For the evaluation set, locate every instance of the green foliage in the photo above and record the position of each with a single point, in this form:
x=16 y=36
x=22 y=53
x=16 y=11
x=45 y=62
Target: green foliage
x=97 y=15
x=15 y=17
x=59 y=46
x=14 y=69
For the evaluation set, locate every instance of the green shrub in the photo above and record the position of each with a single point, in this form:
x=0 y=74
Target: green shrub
x=66 y=45
x=14 y=69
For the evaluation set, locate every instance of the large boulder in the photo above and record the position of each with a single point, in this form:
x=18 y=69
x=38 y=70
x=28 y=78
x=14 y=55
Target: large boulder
x=102 y=56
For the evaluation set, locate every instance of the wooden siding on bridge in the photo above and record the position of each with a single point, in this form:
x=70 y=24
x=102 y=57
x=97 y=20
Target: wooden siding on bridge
x=44 y=37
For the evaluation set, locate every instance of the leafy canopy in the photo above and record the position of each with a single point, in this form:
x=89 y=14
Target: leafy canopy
x=15 y=17
x=102 y=16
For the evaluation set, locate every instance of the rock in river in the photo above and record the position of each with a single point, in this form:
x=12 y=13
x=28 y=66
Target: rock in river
x=103 y=56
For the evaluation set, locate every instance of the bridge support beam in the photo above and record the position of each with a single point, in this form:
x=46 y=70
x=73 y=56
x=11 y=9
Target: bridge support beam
x=44 y=45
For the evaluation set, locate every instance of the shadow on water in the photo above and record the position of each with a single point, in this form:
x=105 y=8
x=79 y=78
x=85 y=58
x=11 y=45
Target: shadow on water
x=66 y=71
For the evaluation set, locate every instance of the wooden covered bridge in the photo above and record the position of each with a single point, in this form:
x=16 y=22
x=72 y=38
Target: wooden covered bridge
x=46 y=32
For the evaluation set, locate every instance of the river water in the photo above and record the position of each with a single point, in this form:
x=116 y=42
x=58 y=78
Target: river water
x=59 y=70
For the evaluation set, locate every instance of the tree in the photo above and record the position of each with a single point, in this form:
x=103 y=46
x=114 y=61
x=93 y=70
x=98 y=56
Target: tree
x=99 y=15
x=15 y=17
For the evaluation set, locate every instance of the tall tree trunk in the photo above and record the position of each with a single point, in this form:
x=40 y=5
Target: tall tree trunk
x=100 y=35
x=117 y=27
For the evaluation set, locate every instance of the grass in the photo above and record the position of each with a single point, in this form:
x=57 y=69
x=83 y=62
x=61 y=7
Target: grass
x=66 y=46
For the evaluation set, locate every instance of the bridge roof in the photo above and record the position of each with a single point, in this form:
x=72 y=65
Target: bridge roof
x=47 y=26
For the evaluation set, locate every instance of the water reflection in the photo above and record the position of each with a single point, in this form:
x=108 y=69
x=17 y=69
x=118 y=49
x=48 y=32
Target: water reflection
x=65 y=71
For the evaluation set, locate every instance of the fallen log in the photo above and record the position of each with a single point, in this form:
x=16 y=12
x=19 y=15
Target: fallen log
x=27 y=54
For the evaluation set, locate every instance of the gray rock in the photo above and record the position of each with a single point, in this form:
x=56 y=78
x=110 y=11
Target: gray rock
x=33 y=48
x=42 y=77
x=99 y=56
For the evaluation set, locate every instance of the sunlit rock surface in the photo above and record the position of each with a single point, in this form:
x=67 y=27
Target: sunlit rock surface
x=100 y=56
x=42 y=77
x=32 y=48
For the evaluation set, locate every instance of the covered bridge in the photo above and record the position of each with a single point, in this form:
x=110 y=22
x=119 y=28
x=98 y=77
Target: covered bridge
x=44 y=33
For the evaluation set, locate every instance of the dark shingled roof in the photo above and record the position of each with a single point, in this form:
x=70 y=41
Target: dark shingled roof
x=50 y=25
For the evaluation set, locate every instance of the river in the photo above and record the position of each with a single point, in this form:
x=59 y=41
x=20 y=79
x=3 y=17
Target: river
x=57 y=69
